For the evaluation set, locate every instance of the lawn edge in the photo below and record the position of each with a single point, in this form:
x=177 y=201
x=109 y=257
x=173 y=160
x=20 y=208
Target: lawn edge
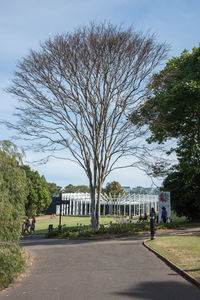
x=173 y=266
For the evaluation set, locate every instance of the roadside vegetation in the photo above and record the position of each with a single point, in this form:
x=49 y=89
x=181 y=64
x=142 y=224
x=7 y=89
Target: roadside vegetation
x=13 y=194
x=77 y=227
x=180 y=250
x=116 y=229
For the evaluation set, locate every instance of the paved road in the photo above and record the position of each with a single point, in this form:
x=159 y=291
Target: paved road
x=97 y=270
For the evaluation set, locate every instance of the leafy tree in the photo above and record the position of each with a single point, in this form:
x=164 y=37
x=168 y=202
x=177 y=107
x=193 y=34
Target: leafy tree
x=76 y=92
x=185 y=195
x=39 y=197
x=76 y=189
x=172 y=113
x=54 y=189
x=13 y=191
x=173 y=107
x=113 y=188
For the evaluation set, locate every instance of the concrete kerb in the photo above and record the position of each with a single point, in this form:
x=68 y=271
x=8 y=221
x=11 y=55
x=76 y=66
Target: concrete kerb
x=173 y=266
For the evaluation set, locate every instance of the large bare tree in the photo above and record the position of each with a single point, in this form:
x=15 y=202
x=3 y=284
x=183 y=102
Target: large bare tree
x=76 y=93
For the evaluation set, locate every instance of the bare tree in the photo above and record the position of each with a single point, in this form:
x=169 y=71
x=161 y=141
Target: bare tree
x=77 y=91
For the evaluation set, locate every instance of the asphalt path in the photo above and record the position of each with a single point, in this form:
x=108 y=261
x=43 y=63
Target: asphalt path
x=97 y=269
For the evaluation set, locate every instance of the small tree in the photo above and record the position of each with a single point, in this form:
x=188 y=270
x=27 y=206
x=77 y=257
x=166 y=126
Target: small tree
x=54 y=189
x=113 y=188
x=76 y=189
x=76 y=93
x=38 y=198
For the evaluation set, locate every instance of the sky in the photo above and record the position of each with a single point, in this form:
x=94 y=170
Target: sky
x=25 y=24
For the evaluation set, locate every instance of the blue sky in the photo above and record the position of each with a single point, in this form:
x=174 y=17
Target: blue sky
x=24 y=24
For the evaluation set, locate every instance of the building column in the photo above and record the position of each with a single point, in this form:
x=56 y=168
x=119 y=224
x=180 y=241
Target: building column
x=70 y=207
x=81 y=208
x=85 y=208
x=130 y=210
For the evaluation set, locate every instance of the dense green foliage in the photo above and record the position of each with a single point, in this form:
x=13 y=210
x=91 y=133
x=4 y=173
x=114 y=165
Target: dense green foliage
x=172 y=113
x=12 y=262
x=185 y=195
x=39 y=197
x=76 y=189
x=13 y=192
x=173 y=108
x=54 y=189
x=113 y=188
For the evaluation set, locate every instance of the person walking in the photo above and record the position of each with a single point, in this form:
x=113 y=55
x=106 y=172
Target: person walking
x=164 y=214
x=152 y=223
x=28 y=224
x=23 y=228
x=32 y=227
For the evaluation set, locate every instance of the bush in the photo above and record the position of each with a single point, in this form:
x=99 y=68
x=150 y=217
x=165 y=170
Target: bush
x=113 y=228
x=12 y=262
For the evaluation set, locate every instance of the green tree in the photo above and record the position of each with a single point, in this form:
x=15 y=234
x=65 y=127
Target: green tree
x=39 y=197
x=76 y=189
x=113 y=188
x=172 y=113
x=172 y=110
x=13 y=191
x=54 y=189
x=185 y=195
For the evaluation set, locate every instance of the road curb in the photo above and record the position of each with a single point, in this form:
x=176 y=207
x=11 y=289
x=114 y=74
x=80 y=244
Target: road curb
x=173 y=266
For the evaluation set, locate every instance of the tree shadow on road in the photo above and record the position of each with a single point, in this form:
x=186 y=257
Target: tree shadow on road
x=159 y=290
x=40 y=240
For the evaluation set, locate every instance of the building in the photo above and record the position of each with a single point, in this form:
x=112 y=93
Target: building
x=79 y=204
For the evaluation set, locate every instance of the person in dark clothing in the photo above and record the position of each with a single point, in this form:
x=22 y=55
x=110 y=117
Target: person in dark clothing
x=164 y=215
x=152 y=222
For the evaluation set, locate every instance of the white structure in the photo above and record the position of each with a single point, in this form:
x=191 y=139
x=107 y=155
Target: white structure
x=79 y=204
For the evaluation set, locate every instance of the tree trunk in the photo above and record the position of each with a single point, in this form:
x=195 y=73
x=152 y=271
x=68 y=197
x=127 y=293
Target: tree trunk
x=95 y=208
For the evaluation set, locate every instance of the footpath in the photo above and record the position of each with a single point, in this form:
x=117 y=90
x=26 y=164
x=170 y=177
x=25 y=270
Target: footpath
x=120 y=268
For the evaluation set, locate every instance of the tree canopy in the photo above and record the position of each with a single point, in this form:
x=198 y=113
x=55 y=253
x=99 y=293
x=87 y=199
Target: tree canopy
x=172 y=113
x=173 y=107
x=13 y=191
x=54 y=189
x=113 y=188
x=185 y=192
x=76 y=189
x=39 y=197
x=76 y=92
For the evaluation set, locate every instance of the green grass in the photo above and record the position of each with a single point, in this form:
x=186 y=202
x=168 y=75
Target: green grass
x=68 y=221
x=181 y=250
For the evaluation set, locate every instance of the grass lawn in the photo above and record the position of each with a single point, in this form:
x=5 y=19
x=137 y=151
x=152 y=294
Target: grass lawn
x=42 y=223
x=184 y=251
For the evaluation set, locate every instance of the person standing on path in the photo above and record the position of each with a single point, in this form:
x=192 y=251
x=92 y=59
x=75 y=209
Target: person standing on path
x=164 y=215
x=152 y=223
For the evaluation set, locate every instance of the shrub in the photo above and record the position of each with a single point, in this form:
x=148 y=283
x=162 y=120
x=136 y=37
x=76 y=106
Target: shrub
x=12 y=262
